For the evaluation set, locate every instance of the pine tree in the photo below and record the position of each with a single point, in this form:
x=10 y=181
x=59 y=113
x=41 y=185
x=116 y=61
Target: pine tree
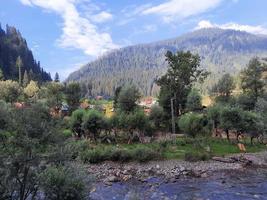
x=19 y=66
x=252 y=78
x=1 y=75
x=56 y=77
x=25 y=79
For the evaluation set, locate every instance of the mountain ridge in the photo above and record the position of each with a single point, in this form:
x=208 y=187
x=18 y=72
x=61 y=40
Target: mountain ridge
x=12 y=46
x=220 y=50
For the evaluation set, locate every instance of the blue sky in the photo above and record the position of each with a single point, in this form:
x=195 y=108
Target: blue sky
x=65 y=34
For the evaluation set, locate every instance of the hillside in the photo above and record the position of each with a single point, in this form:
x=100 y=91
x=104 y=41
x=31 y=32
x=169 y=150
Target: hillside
x=13 y=45
x=220 y=50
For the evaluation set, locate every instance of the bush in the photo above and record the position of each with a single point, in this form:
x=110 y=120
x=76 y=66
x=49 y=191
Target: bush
x=76 y=121
x=93 y=122
x=144 y=154
x=122 y=155
x=100 y=154
x=67 y=133
x=62 y=183
x=195 y=156
x=92 y=156
x=192 y=124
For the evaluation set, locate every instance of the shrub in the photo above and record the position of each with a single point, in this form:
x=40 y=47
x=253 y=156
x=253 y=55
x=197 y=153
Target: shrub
x=122 y=155
x=76 y=121
x=100 y=154
x=67 y=133
x=193 y=102
x=192 y=124
x=62 y=183
x=92 y=156
x=143 y=154
x=194 y=156
x=93 y=122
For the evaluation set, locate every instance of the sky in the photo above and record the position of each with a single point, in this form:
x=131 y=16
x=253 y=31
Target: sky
x=66 y=34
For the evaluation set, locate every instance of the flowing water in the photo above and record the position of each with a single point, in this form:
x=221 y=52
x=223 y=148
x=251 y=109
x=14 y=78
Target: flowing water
x=227 y=185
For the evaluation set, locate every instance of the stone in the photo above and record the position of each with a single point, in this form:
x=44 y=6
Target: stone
x=112 y=179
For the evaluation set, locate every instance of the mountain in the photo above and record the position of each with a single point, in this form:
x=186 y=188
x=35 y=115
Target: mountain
x=12 y=46
x=221 y=51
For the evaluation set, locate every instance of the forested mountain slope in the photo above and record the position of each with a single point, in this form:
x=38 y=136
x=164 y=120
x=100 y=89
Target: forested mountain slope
x=12 y=46
x=220 y=50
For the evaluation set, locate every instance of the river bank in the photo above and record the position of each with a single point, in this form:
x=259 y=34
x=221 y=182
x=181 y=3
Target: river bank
x=172 y=170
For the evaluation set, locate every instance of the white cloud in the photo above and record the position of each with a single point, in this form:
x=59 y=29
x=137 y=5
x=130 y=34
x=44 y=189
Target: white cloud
x=180 y=9
x=234 y=26
x=102 y=17
x=78 y=32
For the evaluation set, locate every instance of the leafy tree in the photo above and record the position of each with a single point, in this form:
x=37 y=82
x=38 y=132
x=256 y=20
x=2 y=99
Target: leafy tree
x=32 y=129
x=116 y=96
x=73 y=95
x=25 y=79
x=231 y=119
x=246 y=101
x=133 y=122
x=192 y=124
x=193 y=102
x=157 y=116
x=224 y=87
x=10 y=91
x=214 y=115
x=183 y=71
x=252 y=124
x=56 y=79
x=54 y=94
x=76 y=121
x=252 y=78
x=127 y=100
x=32 y=89
x=93 y=123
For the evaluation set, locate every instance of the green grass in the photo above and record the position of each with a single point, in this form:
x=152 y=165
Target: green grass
x=165 y=150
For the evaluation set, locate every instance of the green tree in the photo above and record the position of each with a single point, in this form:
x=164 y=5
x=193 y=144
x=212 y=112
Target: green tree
x=1 y=75
x=128 y=97
x=183 y=71
x=116 y=96
x=56 y=79
x=252 y=78
x=192 y=124
x=31 y=129
x=193 y=102
x=224 y=88
x=231 y=119
x=73 y=95
x=214 y=115
x=32 y=89
x=76 y=121
x=157 y=116
x=246 y=101
x=93 y=123
x=54 y=92
x=25 y=79
x=19 y=65
x=10 y=91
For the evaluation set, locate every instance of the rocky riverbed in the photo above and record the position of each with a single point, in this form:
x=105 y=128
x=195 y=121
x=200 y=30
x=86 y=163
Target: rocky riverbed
x=172 y=170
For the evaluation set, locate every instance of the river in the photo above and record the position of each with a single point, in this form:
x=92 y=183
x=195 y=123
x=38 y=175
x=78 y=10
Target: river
x=224 y=185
